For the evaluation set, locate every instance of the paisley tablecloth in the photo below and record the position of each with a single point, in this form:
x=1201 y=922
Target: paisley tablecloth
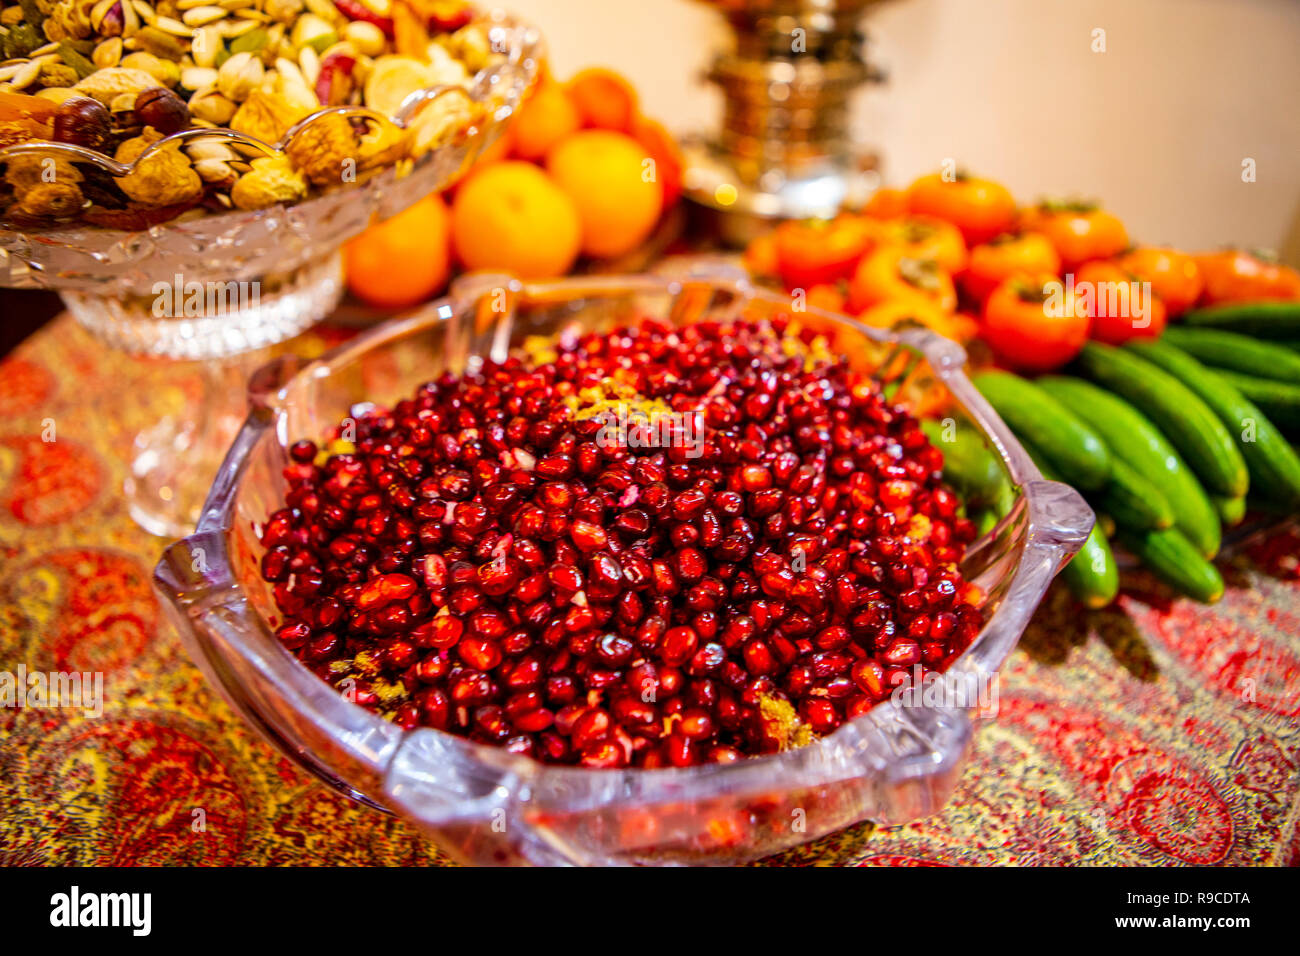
x=1154 y=732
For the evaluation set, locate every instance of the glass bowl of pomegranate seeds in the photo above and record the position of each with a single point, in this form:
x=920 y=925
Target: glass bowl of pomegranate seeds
x=616 y=570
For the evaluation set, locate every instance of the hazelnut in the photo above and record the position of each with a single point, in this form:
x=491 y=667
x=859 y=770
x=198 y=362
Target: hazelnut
x=83 y=121
x=162 y=109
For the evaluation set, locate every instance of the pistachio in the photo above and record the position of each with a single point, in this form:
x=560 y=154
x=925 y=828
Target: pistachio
x=211 y=106
x=108 y=53
x=174 y=27
x=365 y=36
x=130 y=19
x=198 y=77
x=202 y=16
x=27 y=74
x=283 y=10
x=210 y=148
x=106 y=18
x=57 y=95
x=309 y=28
x=309 y=63
x=239 y=76
x=160 y=43
x=326 y=10
x=164 y=71
x=205 y=45
x=213 y=170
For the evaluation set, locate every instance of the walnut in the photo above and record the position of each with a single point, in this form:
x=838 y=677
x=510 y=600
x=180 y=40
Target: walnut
x=383 y=145
x=271 y=180
x=69 y=20
x=57 y=200
x=58 y=76
x=45 y=188
x=441 y=120
x=323 y=148
x=28 y=170
x=164 y=178
x=267 y=116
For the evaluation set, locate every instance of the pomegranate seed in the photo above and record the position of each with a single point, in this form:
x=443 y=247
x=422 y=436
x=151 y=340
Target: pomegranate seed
x=519 y=583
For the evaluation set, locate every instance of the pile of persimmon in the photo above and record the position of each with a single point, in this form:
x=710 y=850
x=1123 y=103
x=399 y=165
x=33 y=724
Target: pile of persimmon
x=957 y=254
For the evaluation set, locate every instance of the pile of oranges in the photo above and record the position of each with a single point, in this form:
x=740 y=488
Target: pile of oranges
x=956 y=254
x=580 y=172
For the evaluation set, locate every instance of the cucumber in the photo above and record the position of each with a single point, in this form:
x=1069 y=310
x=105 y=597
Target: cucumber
x=1265 y=320
x=1091 y=575
x=1132 y=438
x=1278 y=400
x=1132 y=500
x=969 y=465
x=1175 y=561
x=1274 y=467
x=1062 y=439
x=1232 y=511
x=1191 y=425
x=1240 y=353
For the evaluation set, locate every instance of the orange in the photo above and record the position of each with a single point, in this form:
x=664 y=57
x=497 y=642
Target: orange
x=545 y=118
x=608 y=177
x=663 y=149
x=510 y=217
x=402 y=260
x=605 y=99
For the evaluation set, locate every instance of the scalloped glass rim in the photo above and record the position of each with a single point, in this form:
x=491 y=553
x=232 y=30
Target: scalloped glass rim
x=113 y=261
x=899 y=762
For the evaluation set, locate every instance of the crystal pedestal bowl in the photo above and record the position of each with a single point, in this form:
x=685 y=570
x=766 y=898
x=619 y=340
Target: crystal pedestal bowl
x=218 y=289
x=899 y=761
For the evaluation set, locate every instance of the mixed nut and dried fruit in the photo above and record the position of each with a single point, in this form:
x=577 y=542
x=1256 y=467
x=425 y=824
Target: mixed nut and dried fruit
x=772 y=555
x=116 y=76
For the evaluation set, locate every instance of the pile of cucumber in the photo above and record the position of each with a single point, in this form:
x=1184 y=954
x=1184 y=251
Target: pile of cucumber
x=1166 y=438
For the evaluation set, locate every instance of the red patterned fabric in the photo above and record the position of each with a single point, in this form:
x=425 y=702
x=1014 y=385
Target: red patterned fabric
x=1153 y=732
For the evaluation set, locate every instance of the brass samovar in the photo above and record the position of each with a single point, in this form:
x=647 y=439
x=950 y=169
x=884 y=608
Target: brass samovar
x=784 y=149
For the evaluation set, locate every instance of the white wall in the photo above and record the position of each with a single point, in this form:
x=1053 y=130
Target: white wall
x=1157 y=126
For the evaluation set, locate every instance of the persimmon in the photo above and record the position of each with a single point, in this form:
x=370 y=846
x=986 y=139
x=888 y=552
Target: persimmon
x=760 y=256
x=1121 y=305
x=1236 y=276
x=1034 y=323
x=886 y=204
x=980 y=208
x=927 y=237
x=896 y=312
x=1174 y=276
x=1080 y=231
x=890 y=273
x=992 y=263
x=812 y=251
x=825 y=296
